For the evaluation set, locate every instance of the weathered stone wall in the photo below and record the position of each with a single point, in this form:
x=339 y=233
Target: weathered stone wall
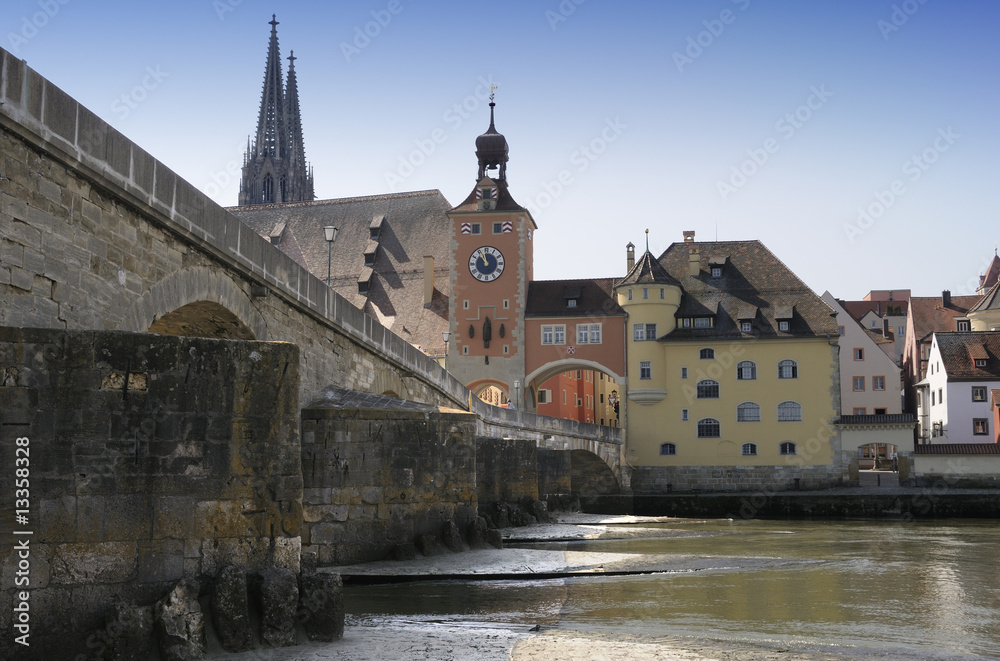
x=151 y=459
x=554 y=473
x=507 y=470
x=375 y=478
x=666 y=479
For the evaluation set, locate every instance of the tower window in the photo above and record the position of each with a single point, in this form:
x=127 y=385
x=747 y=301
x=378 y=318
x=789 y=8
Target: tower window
x=709 y=428
x=268 y=188
x=497 y=228
x=477 y=228
x=645 y=370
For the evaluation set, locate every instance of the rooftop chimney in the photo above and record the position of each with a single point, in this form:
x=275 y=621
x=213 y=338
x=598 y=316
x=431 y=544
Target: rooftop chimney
x=946 y=298
x=689 y=236
x=694 y=260
x=630 y=256
x=428 y=280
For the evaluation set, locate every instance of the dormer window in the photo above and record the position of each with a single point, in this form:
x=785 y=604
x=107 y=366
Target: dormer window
x=746 y=326
x=571 y=302
x=716 y=271
x=980 y=362
x=702 y=322
x=375 y=228
x=962 y=325
x=783 y=326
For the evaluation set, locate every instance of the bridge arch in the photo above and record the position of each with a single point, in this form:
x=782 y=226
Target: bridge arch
x=200 y=302
x=535 y=379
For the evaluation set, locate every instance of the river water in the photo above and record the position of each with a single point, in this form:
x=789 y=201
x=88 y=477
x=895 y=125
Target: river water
x=915 y=588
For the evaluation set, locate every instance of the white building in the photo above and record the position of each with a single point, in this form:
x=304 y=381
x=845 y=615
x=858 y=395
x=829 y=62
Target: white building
x=953 y=399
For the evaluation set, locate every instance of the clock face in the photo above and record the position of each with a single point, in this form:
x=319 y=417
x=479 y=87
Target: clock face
x=486 y=264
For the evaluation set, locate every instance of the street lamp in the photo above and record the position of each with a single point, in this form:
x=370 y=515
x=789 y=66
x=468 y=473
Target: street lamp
x=517 y=392
x=331 y=236
x=446 y=336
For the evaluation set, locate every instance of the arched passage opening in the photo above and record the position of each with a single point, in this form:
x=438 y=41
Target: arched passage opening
x=202 y=319
x=491 y=391
x=580 y=390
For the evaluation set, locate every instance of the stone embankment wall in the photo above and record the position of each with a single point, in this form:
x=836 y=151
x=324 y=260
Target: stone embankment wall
x=667 y=479
x=376 y=479
x=150 y=459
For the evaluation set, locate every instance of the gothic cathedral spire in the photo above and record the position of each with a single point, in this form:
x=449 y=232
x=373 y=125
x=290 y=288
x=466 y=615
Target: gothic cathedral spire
x=274 y=167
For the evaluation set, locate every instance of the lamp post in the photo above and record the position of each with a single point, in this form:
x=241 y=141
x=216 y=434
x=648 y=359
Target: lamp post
x=331 y=236
x=446 y=336
x=517 y=392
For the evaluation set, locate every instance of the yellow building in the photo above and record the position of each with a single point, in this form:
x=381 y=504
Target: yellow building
x=733 y=373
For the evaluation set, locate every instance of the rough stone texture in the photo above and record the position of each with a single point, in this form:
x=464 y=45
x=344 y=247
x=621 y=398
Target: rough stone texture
x=668 y=479
x=451 y=536
x=180 y=624
x=554 y=473
x=128 y=633
x=279 y=598
x=377 y=478
x=508 y=469
x=405 y=552
x=540 y=510
x=429 y=545
x=477 y=534
x=231 y=610
x=135 y=489
x=321 y=606
x=493 y=538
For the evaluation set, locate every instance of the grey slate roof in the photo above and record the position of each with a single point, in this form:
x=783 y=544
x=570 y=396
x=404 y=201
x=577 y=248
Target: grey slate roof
x=415 y=224
x=989 y=301
x=752 y=277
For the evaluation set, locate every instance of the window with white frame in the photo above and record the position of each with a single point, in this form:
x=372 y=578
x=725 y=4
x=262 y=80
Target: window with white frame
x=979 y=393
x=668 y=449
x=707 y=354
x=789 y=412
x=783 y=326
x=645 y=370
x=748 y=412
x=707 y=389
x=878 y=383
x=962 y=325
x=702 y=322
x=980 y=426
x=786 y=448
x=980 y=362
x=746 y=370
x=859 y=353
x=643 y=332
x=544 y=396
x=709 y=428
x=684 y=415
x=588 y=333
x=554 y=334
x=746 y=326
x=788 y=369
x=749 y=449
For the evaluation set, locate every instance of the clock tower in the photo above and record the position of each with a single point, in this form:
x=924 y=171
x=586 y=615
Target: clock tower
x=491 y=266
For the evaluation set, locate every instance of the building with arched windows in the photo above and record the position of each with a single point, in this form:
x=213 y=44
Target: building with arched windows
x=732 y=372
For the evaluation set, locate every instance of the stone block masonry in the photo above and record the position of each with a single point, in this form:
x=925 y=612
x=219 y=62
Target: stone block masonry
x=377 y=476
x=152 y=459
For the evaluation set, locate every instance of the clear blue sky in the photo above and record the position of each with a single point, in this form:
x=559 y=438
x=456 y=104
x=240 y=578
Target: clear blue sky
x=741 y=119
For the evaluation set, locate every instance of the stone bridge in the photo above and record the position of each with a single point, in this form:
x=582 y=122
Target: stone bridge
x=96 y=234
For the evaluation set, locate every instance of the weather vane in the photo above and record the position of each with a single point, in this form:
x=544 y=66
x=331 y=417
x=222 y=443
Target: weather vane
x=493 y=90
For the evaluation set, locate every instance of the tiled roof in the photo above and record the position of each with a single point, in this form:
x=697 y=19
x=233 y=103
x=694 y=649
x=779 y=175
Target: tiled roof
x=989 y=301
x=647 y=269
x=859 y=309
x=415 y=224
x=504 y=200
x=995 y=397
x=958 y=448
x=752 y=278
x=959 y=351
x=595 y=298
x=930 y=315
x=992 y=275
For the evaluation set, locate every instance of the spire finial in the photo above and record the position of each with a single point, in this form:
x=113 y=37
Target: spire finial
x=493 y=90
x=647 y=239
x=273 y=23
x=292 y=58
